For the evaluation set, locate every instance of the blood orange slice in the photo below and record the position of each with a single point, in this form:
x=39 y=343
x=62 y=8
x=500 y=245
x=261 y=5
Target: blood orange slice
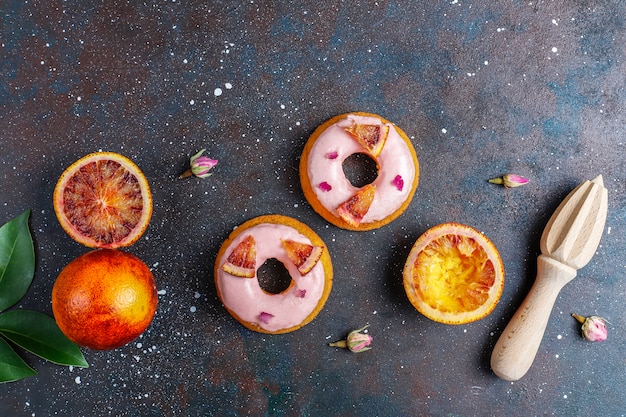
x=454 y=274
x=242 y=260
x=303 y=255
x=355 y=208
x=371 y=137
x=103 y=200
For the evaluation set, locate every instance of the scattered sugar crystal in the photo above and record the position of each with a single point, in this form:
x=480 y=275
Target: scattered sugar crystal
x=217 y=92
x=192 y=309
x=554 y=49
x=77 y=380
x=228 y=86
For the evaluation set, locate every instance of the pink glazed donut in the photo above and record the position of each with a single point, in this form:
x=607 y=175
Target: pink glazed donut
x=298 y=248
x=332 y=195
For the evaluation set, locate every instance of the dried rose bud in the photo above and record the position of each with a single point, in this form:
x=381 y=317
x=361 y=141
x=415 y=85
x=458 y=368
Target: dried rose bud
x=593 y=328
x=398 y=182
x=510 y=180
x=200 y=166
x=324 y=186
x=265 y=317
x=356 y=341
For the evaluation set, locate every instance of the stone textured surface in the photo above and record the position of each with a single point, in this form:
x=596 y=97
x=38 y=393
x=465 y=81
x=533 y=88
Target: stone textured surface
x=482 y=88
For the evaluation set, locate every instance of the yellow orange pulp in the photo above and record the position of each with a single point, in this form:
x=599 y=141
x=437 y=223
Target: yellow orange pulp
x=454 y=274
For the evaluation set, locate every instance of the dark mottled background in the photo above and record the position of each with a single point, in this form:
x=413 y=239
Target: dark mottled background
x=481 y=88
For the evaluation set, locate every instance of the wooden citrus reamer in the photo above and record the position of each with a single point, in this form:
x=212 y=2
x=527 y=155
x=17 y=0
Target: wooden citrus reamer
x=568 y=242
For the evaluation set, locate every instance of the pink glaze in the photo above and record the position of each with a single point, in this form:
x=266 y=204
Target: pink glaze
x=272 y=312
x=395 y=160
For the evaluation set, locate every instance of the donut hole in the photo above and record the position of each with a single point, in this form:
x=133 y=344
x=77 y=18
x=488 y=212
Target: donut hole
x=273 y=276
x=360 y=169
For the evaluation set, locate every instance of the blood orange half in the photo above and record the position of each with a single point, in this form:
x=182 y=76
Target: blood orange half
x=454 y=274
x=103 y=200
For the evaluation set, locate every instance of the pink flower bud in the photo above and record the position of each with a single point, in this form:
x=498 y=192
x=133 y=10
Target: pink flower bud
x=356 y=341
x=359 y=342
x=593 y=328
x=510 y=180
x=200 y=166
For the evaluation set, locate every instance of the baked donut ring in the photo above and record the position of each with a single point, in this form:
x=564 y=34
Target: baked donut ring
x=301 y=251
x=333 y=196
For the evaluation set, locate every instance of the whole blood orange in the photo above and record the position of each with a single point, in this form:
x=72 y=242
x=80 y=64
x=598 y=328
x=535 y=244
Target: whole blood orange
x=454 y=274
x=103 y=200
x=104 y=299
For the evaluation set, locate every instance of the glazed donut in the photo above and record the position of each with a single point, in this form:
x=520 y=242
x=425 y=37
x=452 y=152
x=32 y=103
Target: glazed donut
x=301 y=251
x=333 y=196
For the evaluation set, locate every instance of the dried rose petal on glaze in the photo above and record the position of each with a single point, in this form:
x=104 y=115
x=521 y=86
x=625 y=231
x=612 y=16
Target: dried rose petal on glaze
x=300 y=293
x=398 y=182
x=332 y=155
x=324 y=186
x=265 y=317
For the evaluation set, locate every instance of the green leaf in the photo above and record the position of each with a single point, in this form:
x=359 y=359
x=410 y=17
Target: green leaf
x=17 y=260
x=38 y=333
x=12 y=367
